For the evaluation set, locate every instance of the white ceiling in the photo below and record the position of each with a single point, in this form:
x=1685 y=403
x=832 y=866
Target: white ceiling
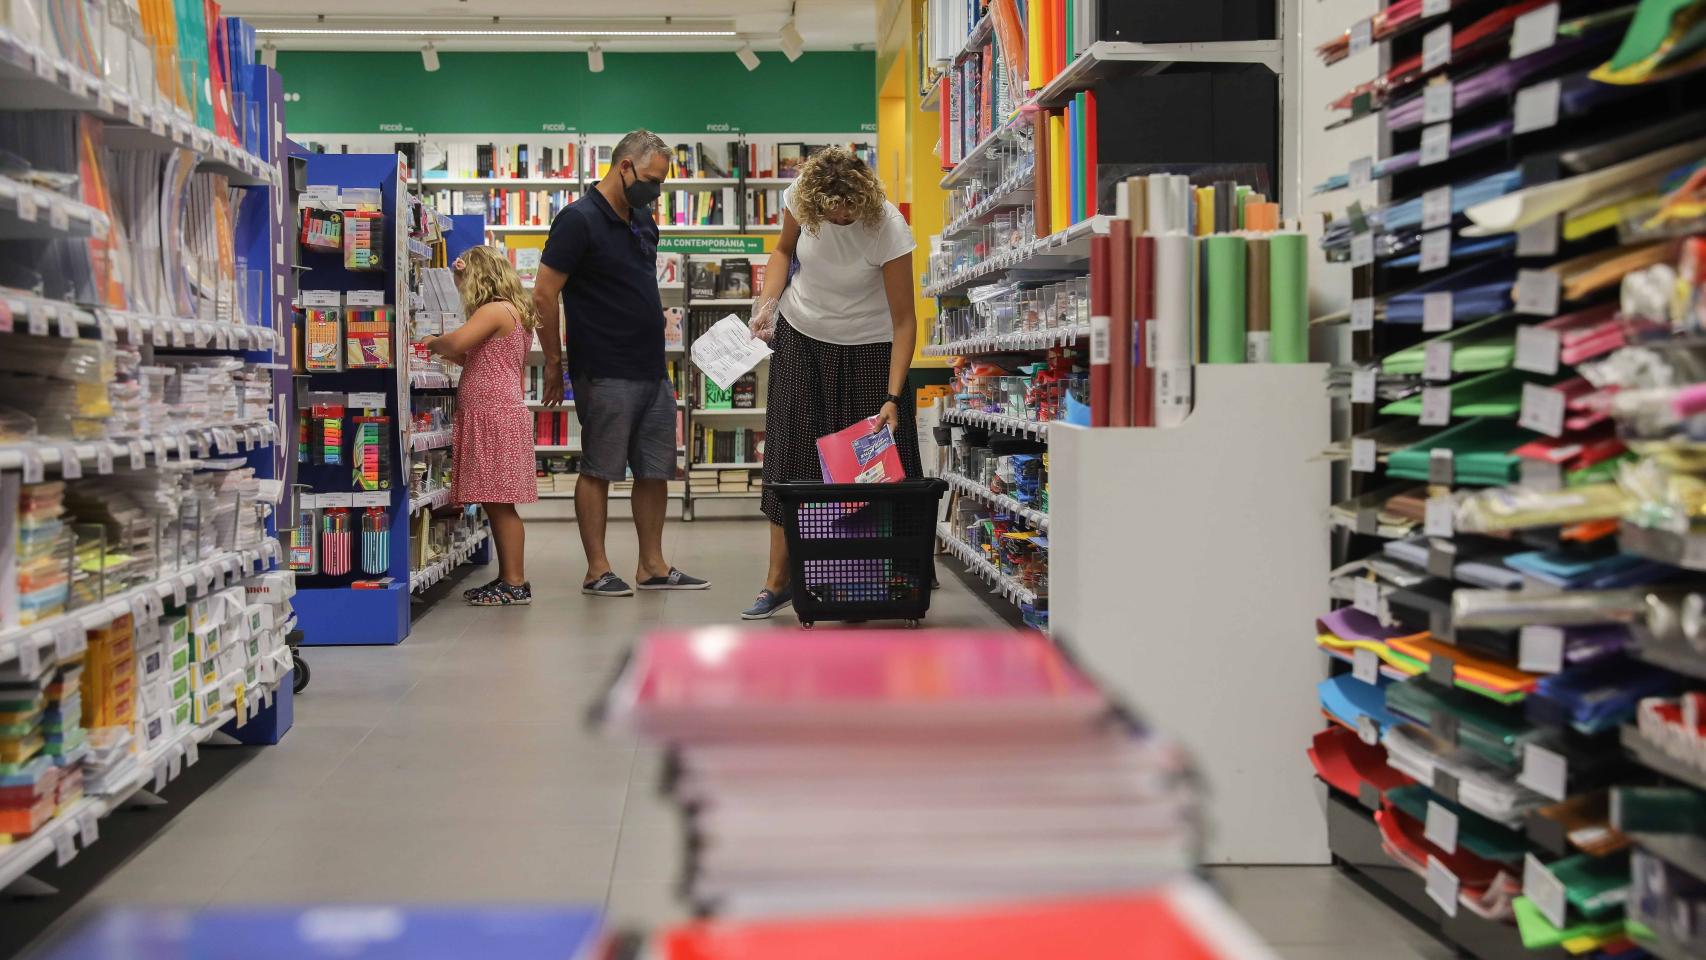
x=824 y=24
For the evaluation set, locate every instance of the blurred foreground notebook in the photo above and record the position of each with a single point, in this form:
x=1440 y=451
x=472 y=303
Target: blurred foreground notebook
x=1182 y=921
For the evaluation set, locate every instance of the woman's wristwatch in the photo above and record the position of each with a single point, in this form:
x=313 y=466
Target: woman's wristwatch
x=894 y=399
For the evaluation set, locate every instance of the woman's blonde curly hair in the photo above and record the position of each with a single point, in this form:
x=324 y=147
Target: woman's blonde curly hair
x=835 y=179
x=485 y=275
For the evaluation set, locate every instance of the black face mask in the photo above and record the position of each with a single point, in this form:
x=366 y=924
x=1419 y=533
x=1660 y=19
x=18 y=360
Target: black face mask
x=641 y=193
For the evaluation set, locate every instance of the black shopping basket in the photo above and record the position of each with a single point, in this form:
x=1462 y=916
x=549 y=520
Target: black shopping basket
x=861 y=551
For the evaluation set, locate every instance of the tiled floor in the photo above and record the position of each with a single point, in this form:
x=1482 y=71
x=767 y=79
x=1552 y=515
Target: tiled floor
x=460 y=767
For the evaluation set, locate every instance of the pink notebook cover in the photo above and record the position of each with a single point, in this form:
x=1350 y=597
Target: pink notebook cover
x=860 y=455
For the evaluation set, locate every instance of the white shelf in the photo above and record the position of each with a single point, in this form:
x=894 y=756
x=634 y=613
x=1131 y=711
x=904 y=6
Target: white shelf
x=430 y=440
x=973 y=161
x=1016 y=191
x=429 y=380
x=440 y=568
x=725 y=466
x=43 y=317
x=997 y=421
x=188 y=444
x=1018 y=340
x=719 y=495
x=731 y=412
x=1107 y=57
x=500 y=183
x=33 y=79
x=1064 y=250
x=977 y=563
x=1000 y=501
x=192 y=578
x=729 y=302
x=30 y=211
x=430 y=500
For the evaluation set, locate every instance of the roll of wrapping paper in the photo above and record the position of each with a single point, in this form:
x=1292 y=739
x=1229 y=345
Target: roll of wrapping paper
x=1143 y=331
x=1258 y=348
x=1223 y=289
x=375 y=541
x=1119 y=323
x=334 y=541
x=1173 y=280
x=1288 y=296
x=1099 y=331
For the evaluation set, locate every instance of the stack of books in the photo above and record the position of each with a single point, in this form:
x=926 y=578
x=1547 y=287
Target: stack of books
x=902 y=770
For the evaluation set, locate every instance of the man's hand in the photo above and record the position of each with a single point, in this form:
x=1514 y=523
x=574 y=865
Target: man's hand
x=553 y=383
x=889 y=417
x=763 y=322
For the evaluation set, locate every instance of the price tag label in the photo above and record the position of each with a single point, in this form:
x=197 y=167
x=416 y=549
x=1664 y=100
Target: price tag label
x=180 y=593
x=1443 y=886
x=1440 y=828
x=160 y=777
x=29 y=654
x=1442 y=562
x=1440 y=518
x=1537 y=350
x=192 y=753
x=105 y=323
x=26 y=204
x=174 y=766
x=1362 y=36
x=1367 y=597
x=1538 y=239
x=70 y=464
x=41 y=316
x=32 y=466
x=46 y=68
x=161 y=450
x=1436 y=361
x=89 y=827
x=69 y=642
x=1544 y=771
x=1362 y=249
x=1368 y=732
x=138 y=454
x=1436 y=406
x=1537 y=107
x=1436 y=250
x=103 y=458
x=1362 y=172
x=1362 y=314
x=1436 y=48
x=1542 y=410
x=1537 y=292
x=1434 y=8
x=1436 y=208
x=1365 y=665
x=1363 y=381
x=1534 y=31
x=1540 y=649
x=1540 y=476
x=68 y=324
x=376 y=401
x=58 y=217
x=184 y=452
x=64 y=847
x=1545 y=890
x=1365 y=457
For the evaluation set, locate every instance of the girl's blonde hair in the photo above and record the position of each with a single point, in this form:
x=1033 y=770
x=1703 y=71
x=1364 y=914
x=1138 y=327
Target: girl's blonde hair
x=834 y=178
x=484 y=275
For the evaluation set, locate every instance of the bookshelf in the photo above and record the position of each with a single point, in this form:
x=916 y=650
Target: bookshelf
x=724 y=432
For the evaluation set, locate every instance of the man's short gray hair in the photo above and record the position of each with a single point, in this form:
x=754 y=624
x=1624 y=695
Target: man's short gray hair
x=638 y=146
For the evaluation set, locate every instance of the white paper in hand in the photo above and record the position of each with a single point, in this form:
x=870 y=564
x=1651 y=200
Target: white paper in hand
x=728 y=350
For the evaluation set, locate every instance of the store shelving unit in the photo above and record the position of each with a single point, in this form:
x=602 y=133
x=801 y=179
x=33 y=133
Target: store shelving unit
x=708 y=310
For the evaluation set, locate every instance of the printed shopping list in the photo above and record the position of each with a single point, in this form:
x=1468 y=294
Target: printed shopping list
x=727 y=351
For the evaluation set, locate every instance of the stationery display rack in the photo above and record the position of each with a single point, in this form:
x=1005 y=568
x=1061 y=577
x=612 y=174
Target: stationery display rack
x=1042 y=112
x=372 y=522
x=1512 y=753
x=141 y=464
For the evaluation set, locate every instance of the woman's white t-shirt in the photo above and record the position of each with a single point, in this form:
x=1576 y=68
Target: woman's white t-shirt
x=838 y=295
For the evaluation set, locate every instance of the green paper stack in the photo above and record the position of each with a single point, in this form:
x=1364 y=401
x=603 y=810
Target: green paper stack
x=1288 y=297
x=1483 y=728
x=1538 y=933
x=1496 y=394
x=1474 y=349
x=1481 y=453
x=1224 y=268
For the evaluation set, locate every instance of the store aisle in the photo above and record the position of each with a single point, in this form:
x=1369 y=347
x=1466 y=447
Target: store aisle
x=459 y=767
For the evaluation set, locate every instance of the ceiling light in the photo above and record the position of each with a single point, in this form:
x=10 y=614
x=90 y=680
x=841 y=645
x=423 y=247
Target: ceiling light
x=747 y=57
x=429 y=57
x=792 y=43
x=377 y=32
x=269 y=56
x=595 y=58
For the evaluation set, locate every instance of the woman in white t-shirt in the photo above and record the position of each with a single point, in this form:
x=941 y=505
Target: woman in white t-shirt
x=843 y=328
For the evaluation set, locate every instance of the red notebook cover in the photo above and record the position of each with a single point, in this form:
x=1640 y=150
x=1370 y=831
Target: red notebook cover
x=1119 y=326
x=1183 y=921
x=1099 y=331
x=1090 y=183
x=1143 y=312
x=860 y=454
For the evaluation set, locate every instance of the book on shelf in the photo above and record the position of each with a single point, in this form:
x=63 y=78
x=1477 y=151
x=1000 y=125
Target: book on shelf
x=669 y=269
x=673 y=320
x=733 y=445
x=735 y=281
x=702 y=276
x=713 y=397
x=744 y=392
x=500 y=160
x=555 y=428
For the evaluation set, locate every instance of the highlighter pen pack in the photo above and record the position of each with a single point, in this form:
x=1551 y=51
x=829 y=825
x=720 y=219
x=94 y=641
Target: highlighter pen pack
x=364 y=235
x=322 y=331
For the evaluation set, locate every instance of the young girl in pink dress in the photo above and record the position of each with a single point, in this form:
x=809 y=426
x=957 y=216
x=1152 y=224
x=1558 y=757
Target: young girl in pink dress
x=492 y=452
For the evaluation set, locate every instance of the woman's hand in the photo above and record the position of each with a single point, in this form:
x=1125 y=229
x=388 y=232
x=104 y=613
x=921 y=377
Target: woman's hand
x=889 y=417
x=763 y=322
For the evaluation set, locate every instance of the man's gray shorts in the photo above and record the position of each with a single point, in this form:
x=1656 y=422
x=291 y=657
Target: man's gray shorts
x=626 y=423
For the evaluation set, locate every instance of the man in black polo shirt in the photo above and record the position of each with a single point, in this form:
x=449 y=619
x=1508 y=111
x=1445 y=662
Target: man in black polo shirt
x=602 y=258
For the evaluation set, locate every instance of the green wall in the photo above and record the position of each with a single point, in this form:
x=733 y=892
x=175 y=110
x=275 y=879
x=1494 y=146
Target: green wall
x=552 y=92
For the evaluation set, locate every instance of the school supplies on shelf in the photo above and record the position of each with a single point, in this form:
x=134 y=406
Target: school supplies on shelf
x=334 y=541
x=375 y=541
x=367 y=337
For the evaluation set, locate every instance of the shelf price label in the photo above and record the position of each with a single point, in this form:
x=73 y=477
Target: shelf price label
x=1537 y=292
x=1362 y=36
x=1365 y=456
x=1436 y=406
x=1436 y=361
x=1542 y=410
x=1534 y=31
x=1545 y=890
x=1443 y=886
x=1537 y=107
x=1537 y=350
x=1441 y=513
x=1363 y=381
x=32 y=466
x=89 y=829
x=64 y=847
x=1440 y=827
x=1436 y=208
x=1540 y=649
x=1437 y=311
x=1436 y=48
x=1368 y=599
x=1362 y=314
x=70 y=465
x=1365 y=665
x=1540 y=238
x=1362 y=249
x=1436 y=250
x=1544 y=771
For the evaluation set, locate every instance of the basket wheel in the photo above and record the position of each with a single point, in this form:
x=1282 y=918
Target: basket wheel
x=912 y=624
x=808 y=624
x=299 y=682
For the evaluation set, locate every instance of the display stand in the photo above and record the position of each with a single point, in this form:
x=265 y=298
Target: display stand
x=332 y=612
x=1183 y=560
x=701 y=313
